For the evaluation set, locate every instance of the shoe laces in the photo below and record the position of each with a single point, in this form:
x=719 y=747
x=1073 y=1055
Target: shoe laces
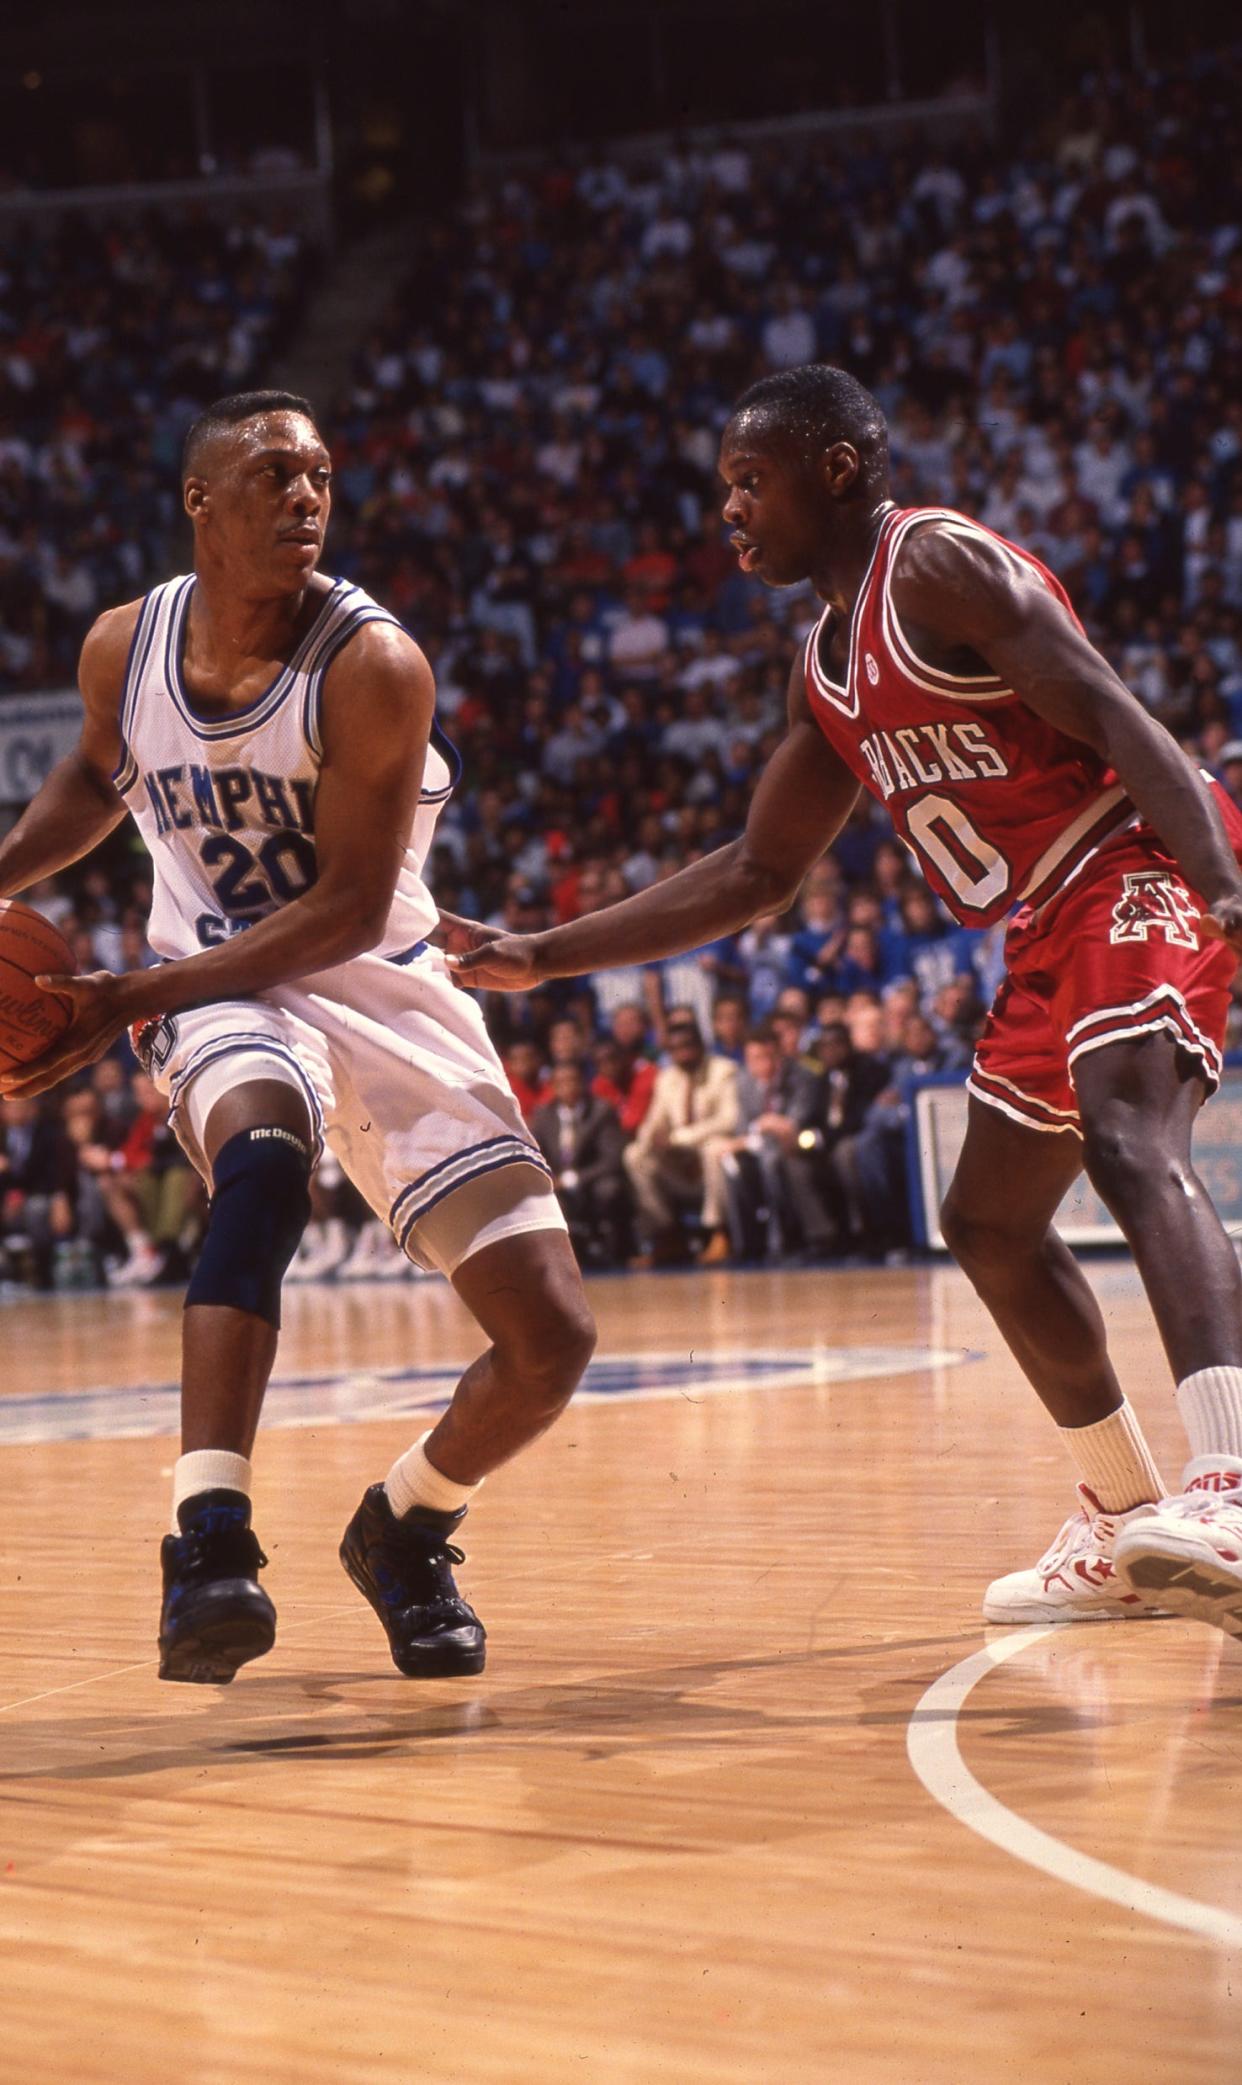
x=1076 y=1535
x=416 y=1542
x=398 y=1588
x=1207 y=1505
x=220 y=1550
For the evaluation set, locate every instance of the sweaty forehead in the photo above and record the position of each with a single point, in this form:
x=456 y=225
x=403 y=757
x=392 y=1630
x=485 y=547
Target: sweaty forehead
x=752 y=436
x=290 y=433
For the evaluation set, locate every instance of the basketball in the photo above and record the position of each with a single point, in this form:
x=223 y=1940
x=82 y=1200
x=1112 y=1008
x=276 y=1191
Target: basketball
x=30 y=1019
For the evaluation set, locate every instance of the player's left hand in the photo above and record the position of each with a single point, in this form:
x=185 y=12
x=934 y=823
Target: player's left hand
x=99 y=1015
x=1223 y=922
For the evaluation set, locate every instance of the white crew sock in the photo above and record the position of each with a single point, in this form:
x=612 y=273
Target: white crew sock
x=1210 y=1402
x=1114 y=1461
x=207 y=1469
x=413 y=1481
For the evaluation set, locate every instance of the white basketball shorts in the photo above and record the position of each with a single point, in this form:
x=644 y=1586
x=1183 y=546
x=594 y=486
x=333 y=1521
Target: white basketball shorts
x=402 y=1082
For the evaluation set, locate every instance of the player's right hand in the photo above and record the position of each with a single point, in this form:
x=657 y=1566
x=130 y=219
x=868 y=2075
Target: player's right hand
x=503 y=963
x=456 y=935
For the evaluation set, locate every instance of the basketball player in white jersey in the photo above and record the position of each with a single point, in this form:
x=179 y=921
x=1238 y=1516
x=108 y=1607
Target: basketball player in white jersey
x=271 y=732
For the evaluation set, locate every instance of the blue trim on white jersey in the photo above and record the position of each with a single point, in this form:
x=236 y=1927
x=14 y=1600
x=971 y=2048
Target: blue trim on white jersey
x=364 y=611
x=242 y=1044
x=464 y=1165
x=125 y=773
x=264 y=706
x=496 y=1165
x=452 y=760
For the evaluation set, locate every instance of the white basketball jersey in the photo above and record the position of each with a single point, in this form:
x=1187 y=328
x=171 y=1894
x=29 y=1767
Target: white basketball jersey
x=226 y=805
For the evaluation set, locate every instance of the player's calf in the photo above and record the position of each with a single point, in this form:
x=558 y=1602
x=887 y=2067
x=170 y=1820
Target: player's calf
x=215 y=1616
x=527 y=1295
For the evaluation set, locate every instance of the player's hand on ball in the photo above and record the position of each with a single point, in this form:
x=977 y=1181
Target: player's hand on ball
x=1223 y=922
x=505 y=963
x=98 y=1018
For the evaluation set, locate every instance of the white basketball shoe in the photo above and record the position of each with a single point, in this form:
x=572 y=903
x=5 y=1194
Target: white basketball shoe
x=1074 y=1580
x=1186 y=1553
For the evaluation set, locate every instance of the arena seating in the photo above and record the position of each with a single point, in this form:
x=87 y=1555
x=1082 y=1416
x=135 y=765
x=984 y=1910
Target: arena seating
x=525 y=473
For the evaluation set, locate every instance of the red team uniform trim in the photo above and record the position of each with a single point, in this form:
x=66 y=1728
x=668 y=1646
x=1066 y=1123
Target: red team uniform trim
x=1000 y=808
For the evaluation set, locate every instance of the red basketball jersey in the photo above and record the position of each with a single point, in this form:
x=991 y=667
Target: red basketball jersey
x=997 y=806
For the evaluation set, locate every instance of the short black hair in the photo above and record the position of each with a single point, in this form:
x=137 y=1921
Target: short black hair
x=683 y=1020
x=816 y=404
x=231 y=411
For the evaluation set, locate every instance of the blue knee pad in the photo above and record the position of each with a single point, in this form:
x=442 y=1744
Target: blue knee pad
x=260 y=1206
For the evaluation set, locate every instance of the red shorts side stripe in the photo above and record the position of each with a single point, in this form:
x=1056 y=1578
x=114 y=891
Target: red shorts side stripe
x=1025 y=1108
x=1164 y=1009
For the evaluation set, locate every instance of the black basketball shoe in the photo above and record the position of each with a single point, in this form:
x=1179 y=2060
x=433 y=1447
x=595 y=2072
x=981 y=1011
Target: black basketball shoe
x=215 y=1615
x=405 y=1569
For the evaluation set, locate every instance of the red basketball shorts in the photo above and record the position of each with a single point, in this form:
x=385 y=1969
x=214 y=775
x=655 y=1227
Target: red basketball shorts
x=1115 y=955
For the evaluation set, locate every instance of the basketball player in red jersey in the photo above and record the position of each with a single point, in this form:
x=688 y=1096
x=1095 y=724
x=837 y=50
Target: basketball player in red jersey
x=950 y=676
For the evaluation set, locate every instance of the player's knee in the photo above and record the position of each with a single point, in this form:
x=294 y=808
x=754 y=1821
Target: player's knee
x=260 y=1206
x=547 y=1353
x=981 y=1240
x=1128 y=1161
x=970 y=1239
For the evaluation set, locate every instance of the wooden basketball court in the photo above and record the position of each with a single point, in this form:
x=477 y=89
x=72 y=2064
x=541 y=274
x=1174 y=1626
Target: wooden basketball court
x=676 y=1834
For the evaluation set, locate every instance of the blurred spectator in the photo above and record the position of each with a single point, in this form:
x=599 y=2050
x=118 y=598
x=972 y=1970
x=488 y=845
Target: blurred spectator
x=956 y=1015
x=625 y=1081
x=152 y=1193
x=525 y=1068
x=872 y=1161
x=771 y=1202
x=695 y=1100
x=582 y=1140
x=38 y=1185
x=327 y=1242
x=94 y=1148
x=853 y=1077
x=729 y=1026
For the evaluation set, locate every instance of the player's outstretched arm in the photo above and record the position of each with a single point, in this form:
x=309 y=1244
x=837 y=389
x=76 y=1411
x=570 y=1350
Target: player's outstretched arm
x=379 y=697
x=77 y=806
x=961 y=592
x=802 y=800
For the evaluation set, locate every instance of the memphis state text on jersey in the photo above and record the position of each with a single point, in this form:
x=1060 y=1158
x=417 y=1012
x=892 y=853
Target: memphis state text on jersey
x=226 y=804
x=997 y=806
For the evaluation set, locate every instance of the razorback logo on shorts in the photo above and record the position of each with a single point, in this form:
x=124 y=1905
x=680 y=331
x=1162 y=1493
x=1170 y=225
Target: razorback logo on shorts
x=1153 y=902
x=151 y=1039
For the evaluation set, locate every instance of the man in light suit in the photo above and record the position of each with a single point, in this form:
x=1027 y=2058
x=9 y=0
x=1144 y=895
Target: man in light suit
x=694 y=1103
x=582 y=1140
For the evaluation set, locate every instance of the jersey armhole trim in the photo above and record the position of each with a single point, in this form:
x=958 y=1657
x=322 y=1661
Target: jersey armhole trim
x=333 y=641
x=125 y=773
x=971 y=688
x=366 y=611
x=452 y=759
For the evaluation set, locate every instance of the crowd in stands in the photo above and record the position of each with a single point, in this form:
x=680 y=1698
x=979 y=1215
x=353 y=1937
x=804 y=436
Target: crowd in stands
x=111 y=337
x=525 y=472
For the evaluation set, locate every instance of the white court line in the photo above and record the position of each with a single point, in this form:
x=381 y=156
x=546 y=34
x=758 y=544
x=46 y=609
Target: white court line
x=931 y=1742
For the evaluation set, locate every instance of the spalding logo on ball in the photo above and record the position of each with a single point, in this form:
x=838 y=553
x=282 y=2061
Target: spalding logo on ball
x=31 y=1019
